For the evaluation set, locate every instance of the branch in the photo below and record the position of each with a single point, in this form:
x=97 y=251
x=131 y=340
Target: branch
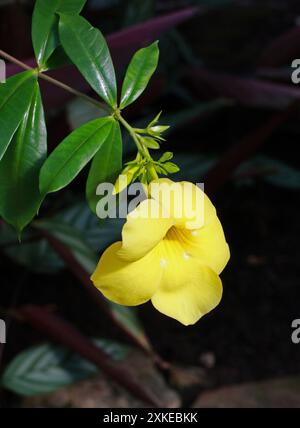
x=55 y=82
x=67 y=335
x=80 y=273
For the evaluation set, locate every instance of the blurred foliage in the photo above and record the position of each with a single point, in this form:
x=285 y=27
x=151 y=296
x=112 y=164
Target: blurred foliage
x=76 y=227
x=137 y=11
x=46 y=368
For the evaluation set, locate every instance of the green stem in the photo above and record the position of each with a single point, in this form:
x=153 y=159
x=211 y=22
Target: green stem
x=55 y=82
x=153 y=172
x=132 y=133
x=143 y=150
x=151 y=167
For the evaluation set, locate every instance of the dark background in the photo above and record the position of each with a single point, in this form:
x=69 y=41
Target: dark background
x=224 y=83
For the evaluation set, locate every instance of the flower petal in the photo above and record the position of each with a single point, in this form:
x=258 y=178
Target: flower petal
x=126 y=283
x=207 y=244
x=200 y=291
x=146 y=226
x=185 y=202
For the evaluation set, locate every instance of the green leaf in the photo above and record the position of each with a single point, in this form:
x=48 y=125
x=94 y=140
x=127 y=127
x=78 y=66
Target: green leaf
x=20 y=166
x=71 y=156
x=45 y=25
x=88 y=50
x=106 y=165
x=170 y=167
x=166 y=156
x=45 y=368
x=158 y=130
x=160 y=170
x=155 y=120
x=15 y=96
x=138 y=74
x=151 y=143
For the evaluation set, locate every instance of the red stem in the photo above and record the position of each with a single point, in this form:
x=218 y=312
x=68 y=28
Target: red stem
x=83 y=277
x=63 y=332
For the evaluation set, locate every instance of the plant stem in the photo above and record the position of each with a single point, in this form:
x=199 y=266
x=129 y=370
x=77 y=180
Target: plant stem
x=131 y=131
x=55 y=82
x=153 y=172
x=64 y=333
x=140 y=146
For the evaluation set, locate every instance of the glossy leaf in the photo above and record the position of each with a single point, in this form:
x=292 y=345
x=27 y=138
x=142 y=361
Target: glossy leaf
x=15 y=96
x=45 y=25
x=48 y=367
x=138 y=74
x=19 y=169
x=106 y=165
x=121 y=44
x=71 y=156
x=87 y=48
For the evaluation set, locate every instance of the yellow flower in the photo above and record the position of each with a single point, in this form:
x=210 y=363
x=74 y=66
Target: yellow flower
x=171 y=252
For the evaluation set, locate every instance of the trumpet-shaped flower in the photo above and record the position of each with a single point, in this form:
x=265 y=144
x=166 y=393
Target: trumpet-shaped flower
x=172 y=252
